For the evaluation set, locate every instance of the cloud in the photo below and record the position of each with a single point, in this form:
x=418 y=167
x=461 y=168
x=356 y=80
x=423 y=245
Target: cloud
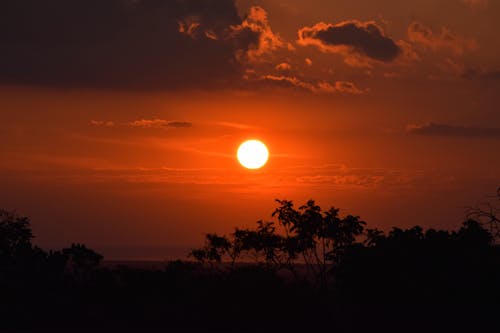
x=418 y=33
x=283 y=67
x=238 y=126
x=342 y=176
x=179 y=124
x=159 y=123
x=308 y=62
x=392 y=75
x=102 y=123
x=189 y=28
x=433 y=129
x=457 y=68
x=359 y=42
x=481 y=73
x=320 y=87
x=123 y=44
x=339 y=87
x=267 y=41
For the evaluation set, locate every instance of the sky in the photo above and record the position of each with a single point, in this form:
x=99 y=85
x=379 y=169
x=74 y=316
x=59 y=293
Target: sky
x=120 y=119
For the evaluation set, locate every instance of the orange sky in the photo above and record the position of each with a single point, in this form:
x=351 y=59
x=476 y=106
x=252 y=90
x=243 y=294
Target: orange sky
x=387 y=110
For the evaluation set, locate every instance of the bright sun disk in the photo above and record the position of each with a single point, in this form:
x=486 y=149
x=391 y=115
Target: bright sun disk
x=253 y=154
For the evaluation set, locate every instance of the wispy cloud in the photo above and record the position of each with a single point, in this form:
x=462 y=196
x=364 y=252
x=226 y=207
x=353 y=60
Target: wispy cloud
x=239 y=126
x=418 y=33
x=159 y=123
x=313 y=177
x=481 y=73
x=318 y=87
x=434 y=129
x=102 y=123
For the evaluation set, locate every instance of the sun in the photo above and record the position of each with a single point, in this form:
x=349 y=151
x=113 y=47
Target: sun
x=253 y=154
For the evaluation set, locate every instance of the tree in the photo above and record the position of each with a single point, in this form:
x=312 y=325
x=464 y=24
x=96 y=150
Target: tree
x=214 y=249
x=307 y=234
x=262 y=244
x=80 y=258
x=487 y=214
x=320 y=238
x=473 y=234
x=15 y=233
x=413 y=264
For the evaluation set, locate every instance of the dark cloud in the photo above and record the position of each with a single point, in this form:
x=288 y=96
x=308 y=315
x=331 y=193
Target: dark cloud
x=179 y=124
x=121 y=44
x=365 y=39
x=433 y=129
x=473 y=73
x=256 y=24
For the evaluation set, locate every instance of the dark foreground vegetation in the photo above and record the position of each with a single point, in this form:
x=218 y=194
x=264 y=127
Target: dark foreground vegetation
x=308 y=269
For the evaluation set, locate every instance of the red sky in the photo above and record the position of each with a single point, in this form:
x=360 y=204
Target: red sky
x=120 y=121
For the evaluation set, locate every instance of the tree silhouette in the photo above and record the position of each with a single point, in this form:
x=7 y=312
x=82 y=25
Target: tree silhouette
x=216 y=247
x=488 y=214
x=305 y=235
x=413 y=264
x=80 y=258
x=18 y=253
x=15 y=234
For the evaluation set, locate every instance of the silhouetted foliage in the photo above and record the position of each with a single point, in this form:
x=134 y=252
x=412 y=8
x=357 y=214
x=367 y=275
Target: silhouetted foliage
x=306 y=270
x=15 y=235
x=305 y=235
x=81 y=258
x=415 y=266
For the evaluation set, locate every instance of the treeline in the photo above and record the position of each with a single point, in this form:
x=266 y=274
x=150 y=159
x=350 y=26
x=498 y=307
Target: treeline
x=304 y=270
x=18 y=255
x=306 y=236
x=331 y=252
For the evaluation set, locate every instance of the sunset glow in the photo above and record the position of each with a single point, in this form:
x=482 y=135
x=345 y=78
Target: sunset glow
x=126 y=135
